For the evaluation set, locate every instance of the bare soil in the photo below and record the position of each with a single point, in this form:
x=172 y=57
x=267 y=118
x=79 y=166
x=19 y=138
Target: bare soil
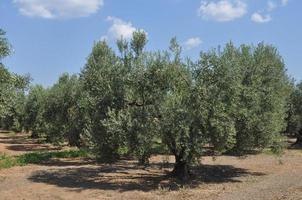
x=263 y=177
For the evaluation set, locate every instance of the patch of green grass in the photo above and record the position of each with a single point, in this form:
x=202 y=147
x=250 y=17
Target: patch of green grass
x=39 y=157
x=267 y=151
x=7 y=161
x=34 y=158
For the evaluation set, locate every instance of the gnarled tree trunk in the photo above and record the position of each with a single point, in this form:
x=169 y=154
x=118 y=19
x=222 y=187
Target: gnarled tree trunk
x=34 y=135
x=144 y=159
x=181 y=169
x=299 y=138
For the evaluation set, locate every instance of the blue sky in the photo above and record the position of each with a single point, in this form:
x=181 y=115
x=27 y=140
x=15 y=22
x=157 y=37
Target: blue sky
x=50 y=37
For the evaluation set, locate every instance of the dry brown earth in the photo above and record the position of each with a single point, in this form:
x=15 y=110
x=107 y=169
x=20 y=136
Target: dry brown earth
x=256 y=177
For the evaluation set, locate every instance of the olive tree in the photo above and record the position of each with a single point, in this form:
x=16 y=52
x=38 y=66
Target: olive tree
x=141 y=97
x=12 y=91
x=34 y=111
x=5 y=75
x=295 y=113
x=62 y=111
x=180 y=125
x=233 y=99
x=263 y=98
x=103 y=80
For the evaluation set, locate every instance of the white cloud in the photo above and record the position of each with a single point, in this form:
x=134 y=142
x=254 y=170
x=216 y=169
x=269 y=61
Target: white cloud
x=52 y=9
x=271 y=6
x=192 y=43
x=258 y=18
x=284 y=2
x=119 y=28
x=223 y=10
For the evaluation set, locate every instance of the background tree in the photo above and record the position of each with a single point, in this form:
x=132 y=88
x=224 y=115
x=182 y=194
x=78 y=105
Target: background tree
x=12 y=91
x=5 y=76
x=34 y=109
x=218 y=86
x=295 y=116
x=263 y=97
x=62 y=111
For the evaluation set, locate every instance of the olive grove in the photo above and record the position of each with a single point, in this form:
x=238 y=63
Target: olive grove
x=138 y=103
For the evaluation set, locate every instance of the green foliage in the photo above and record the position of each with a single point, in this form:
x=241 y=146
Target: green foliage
x=62 y=111
x=181 y=125
x=234 y=99
x=294 y=119
x=12 y=92
x=218 y=87
x=138 y=42
x=5 y=48
x=34 y=110
x=247 y=91
x=7 y=161
x=39 y=157
x=103 y=81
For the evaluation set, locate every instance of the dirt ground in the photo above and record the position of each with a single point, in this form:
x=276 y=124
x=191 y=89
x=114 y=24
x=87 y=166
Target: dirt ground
x=263 y=177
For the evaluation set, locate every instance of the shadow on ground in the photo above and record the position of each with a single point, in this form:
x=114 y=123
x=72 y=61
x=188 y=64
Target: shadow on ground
x=129 y=177
x=32 y=147
x=22 y=142
x=293 y=144
x=18 y=139
x=67 y=162
x=4 y=131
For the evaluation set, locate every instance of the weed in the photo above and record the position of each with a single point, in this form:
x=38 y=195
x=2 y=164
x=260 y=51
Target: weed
x=7 y=161
x=39 y=157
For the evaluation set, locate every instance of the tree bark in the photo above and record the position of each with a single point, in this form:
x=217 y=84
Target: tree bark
x=144 y=160
x=299 y=138
x=181 y=169
x=34 y=135
x=74 y=139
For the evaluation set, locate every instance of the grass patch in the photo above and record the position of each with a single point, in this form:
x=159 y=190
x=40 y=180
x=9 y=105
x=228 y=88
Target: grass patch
x=39 y=157
x=7 y=161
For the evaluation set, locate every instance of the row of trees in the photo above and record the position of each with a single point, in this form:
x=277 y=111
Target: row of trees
x=294 y=117
x=136 y=102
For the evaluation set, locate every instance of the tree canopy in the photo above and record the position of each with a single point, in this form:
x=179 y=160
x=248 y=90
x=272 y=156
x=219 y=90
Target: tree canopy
x=12 y=88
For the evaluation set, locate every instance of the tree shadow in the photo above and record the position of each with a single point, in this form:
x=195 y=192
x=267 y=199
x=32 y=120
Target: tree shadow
x=125 y=176
x=4 y=131
x=293 y=144
x=20 y=139
x=65 y=162
x=23 y=143
x=221 y=174
x=15 y=141
x=32 y=147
